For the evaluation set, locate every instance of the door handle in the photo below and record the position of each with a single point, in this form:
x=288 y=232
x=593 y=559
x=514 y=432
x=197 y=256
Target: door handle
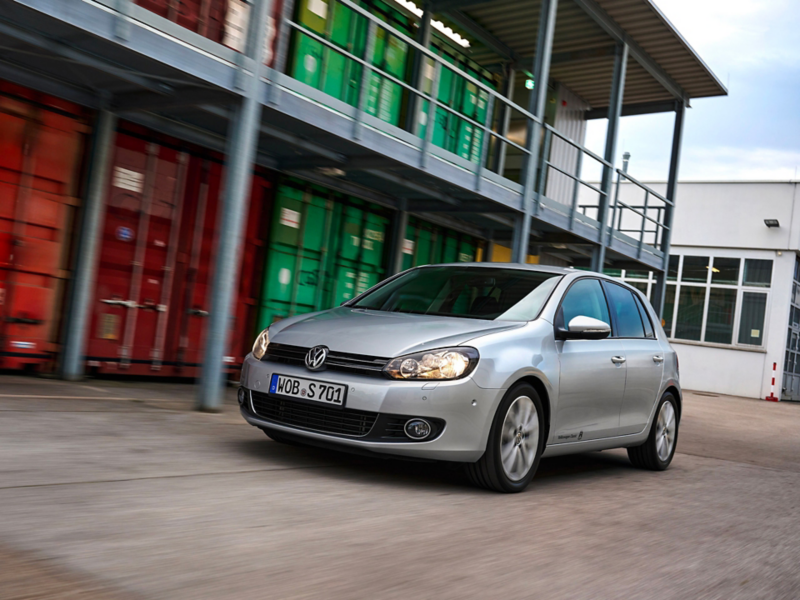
x=658 y=359
x=618 y=360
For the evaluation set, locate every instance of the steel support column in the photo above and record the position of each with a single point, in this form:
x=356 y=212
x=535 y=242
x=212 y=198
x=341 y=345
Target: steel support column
x=77 y=318
x=612 y=133
x=660 y=289
x=536 y=106
x=242 y=141
x=504 y=119
x=418 y=77
x=399 y=227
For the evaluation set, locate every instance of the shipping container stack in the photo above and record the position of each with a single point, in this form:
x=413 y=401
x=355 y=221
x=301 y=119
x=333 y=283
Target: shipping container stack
x=305 y=248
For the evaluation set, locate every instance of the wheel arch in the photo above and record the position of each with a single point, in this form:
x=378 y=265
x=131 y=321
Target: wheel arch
x=672 y=389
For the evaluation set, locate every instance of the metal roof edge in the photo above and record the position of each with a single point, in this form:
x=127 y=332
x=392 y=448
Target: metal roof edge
x=689 y=47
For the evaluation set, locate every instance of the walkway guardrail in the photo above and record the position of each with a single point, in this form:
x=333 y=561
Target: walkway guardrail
x=640 y=212
x=424 y=98
x=577 y=180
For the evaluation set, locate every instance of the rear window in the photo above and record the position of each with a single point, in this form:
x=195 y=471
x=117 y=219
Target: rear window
x=626 y=312
x=467 y=292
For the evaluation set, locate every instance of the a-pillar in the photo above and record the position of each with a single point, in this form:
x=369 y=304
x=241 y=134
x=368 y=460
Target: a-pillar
x=242 y=142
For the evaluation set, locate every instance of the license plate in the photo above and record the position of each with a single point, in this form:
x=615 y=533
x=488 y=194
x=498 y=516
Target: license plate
x=333 y=394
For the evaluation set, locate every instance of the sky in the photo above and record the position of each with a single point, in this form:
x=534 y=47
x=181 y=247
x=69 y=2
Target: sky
x=753 y=46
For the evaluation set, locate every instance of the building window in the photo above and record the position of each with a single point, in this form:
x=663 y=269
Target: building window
x=721 y=311
x=757 y=273
x=715 y=299
x=720 y=306
x=751 y=328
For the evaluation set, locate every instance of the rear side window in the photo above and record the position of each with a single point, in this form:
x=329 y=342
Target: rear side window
x=649 y=332
x=585 y=299
x=626 y=313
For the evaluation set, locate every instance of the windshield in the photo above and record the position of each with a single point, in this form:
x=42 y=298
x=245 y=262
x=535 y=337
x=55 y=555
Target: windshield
x=469 y=292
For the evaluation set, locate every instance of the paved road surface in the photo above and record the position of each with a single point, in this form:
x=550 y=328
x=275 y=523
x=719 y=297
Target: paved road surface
x=120 y=491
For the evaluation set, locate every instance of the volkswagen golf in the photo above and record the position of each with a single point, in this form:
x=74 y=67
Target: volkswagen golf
x=490 y=365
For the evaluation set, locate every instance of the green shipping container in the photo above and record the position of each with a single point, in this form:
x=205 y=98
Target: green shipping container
x=428 y=244
x=330 y=71
x=324 y=249
x=450 y=131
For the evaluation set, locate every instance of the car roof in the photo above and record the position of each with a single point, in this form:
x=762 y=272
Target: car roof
x=519 y=266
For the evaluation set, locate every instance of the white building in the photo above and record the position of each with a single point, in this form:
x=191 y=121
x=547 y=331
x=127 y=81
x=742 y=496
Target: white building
x=732 y=307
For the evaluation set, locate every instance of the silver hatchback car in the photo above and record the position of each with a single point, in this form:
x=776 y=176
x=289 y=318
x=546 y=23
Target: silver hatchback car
x=492 y=365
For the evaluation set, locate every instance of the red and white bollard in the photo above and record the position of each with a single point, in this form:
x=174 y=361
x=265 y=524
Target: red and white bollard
x=771 y=396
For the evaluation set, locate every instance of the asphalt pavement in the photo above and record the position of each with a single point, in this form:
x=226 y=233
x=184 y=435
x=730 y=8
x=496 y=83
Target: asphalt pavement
x=119 y=490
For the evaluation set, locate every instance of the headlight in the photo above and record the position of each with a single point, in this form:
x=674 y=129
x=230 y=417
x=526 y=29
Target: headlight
x=260 y=346
x=446 y=363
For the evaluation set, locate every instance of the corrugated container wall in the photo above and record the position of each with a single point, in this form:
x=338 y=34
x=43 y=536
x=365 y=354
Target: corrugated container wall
x=41 y=154
x=158 y=243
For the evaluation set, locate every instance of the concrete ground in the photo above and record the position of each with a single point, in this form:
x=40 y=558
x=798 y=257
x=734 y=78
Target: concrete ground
x=118 y=490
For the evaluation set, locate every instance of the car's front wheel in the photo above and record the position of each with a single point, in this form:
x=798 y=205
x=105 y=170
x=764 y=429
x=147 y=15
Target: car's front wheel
x=516 y=443
x=659 y=448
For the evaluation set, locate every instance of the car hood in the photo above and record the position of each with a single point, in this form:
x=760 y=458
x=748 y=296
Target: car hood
x=379 y=333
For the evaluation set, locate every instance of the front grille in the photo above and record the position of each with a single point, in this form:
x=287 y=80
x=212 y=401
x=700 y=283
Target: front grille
x=339 y=361
x=395 y=427
x=338 y=421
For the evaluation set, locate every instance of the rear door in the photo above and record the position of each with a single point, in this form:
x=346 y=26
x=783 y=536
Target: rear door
x=592 y=380
x=645 y=358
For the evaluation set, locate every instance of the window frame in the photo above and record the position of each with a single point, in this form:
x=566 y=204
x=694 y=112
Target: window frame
x=558 y=320
x=612 y=313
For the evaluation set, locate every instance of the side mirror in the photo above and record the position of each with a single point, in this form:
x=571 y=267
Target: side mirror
x=585 y=328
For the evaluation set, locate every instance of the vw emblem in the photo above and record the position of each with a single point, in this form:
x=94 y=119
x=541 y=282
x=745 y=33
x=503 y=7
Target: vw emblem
x=315 y=359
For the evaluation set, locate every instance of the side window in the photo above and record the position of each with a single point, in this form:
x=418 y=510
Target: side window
x=585 y=299
x=649 y=332
x=626 y=313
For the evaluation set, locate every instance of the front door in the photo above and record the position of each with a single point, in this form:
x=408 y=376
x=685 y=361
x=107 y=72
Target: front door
x=592 y=378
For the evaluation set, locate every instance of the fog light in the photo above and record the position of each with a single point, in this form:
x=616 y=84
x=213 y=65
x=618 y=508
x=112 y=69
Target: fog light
x=418 y=429
x=242 y=396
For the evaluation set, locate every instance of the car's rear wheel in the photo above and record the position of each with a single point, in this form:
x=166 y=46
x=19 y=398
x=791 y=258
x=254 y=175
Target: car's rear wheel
x=657 y=451
x=516 y=442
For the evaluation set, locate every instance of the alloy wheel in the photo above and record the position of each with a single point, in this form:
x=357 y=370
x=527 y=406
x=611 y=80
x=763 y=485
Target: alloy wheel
x=665 y=431
x=519 y=438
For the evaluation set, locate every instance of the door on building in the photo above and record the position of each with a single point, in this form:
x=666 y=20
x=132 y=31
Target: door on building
x=791 y=367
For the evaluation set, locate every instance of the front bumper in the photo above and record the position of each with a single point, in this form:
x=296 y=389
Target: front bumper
x=466 y=409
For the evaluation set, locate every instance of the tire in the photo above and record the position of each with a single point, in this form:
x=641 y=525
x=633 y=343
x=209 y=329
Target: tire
x=656 y=453
x=522 y=435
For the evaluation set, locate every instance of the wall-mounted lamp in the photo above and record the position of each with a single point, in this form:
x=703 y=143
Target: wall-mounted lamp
x=772 y=223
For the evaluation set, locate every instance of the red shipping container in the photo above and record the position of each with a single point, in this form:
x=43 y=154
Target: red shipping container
x=206 y=17
x=158 y=248
x=41 y=151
